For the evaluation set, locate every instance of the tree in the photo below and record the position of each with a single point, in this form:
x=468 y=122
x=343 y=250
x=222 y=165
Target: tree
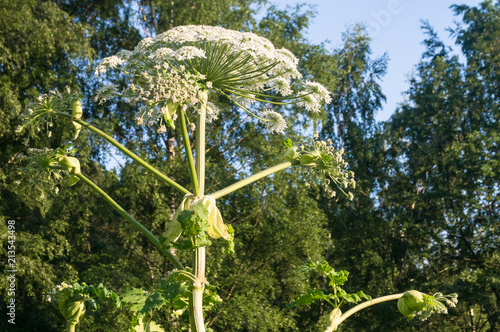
x=91 y=235
x=443 y=190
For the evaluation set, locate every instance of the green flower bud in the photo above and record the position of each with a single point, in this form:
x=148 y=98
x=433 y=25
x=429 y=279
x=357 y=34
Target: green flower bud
x=77 y=109
x=292 y=156
x=71 y=306
x=171 y=109
x=410 y=303
x=72 y=165
x=78 y=128
x=75 y=308
x=310 y=158
x=333 y=320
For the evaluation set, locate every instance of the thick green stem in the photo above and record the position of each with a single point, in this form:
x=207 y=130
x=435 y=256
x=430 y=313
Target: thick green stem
x=196 y=298
x=70 y=327
x=366 y=304
x=189 y=153
x=198 y=289
x=250 y=179
x=200 y=144
x=134 y=222
x=126 y=152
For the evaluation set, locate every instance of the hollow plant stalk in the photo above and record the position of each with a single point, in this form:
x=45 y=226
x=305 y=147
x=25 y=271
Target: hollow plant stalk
x=198 y=286
x=367 y=304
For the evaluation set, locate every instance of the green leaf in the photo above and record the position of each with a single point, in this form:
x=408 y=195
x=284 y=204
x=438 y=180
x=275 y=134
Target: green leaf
x=310 y=296
x=144 y=302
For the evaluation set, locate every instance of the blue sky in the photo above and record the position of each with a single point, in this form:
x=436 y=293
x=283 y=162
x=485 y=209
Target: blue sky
x=394 y=27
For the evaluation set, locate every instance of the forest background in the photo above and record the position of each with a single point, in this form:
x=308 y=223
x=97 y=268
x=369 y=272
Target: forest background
x=426 y=209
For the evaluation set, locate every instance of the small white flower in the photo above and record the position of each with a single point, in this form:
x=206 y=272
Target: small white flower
x=212 y=112
x=188 y=53
x=162 y=129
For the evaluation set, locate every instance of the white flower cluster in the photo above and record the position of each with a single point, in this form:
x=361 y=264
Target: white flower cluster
x=436 y=304
x=212 y=112
x=313 y=96
x=327 y=164
x=274 y=122
x=105 y=93
x=179 y=64
x=58 y=289
x=42 y=110
x=41 y=169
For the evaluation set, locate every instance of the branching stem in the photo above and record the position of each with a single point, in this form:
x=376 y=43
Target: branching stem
x=134 y=222
x=189 y=153
x=250 y=179
x=366 y=304
x=127 y=152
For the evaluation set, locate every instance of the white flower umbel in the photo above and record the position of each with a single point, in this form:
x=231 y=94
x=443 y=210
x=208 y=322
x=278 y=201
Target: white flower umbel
x=314 y=95
x=40 y=113
x=212 y=112
x=326 y=162
x=43 y=169
x=105 y=93
x=179 y=64
x=273 y=121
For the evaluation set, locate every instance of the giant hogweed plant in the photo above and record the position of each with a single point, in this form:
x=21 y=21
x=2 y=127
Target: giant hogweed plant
x=171 y=80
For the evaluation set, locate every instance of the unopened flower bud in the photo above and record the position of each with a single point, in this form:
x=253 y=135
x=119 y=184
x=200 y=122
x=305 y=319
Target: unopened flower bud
x=72 y=165
x=78 y=128
x=77 y=109
x=292 y=156
x=170 y=113
x=310 y=158
x=217 y=227
x=410 y=303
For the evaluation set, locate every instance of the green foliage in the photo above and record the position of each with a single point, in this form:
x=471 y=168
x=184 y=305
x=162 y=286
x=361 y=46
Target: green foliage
x=336 y=279
x=170 y=293
x=194 y=228
x=72 y=300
